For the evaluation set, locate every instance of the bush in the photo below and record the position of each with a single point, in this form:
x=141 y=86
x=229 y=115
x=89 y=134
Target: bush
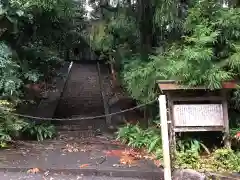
x=226 y=160
x=149 y=139
x=188 y=154
x=39 y=131
x=189 y=151
x=10 y=126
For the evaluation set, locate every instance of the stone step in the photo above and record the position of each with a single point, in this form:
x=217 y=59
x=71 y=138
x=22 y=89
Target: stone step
x=75 y=127
x=78 y=134
x=79 y=125
x=82 y=94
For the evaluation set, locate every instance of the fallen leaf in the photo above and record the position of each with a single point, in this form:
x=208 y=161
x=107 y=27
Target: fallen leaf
x=150 y=157
x=83 y=165
x=127 y=160
x=117 y=153
x=157 y=163
x=71 y=148
x=33 y=171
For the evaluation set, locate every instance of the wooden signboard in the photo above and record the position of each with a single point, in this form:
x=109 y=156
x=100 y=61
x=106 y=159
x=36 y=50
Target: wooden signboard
x=201 y=115
x=197 y=109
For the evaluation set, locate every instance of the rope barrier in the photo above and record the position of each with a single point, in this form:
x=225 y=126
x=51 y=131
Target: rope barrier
x=80 y=118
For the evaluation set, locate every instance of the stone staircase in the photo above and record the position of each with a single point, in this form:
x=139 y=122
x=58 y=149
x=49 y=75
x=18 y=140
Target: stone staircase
x=81 y=98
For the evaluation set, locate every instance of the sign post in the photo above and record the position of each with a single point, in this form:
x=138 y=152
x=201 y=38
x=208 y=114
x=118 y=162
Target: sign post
x=165 y=137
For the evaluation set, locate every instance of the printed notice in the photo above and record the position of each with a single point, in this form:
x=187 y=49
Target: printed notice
x=198 y=115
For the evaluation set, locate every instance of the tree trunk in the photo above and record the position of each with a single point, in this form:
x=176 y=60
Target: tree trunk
x=145 y=26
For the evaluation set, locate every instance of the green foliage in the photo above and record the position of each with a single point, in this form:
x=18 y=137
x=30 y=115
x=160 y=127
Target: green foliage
x=197 y=43
x=39 y=131
x=188 y=153
x=139 y=78
x=41 y=61
x=226 y=160
x=188 y=159
x=10 y=126
x=235 y=137
x=136 y=137
x=191 y=144
x=33 y=36
x=207 y=54
x=116 y=36
x=9 y=71
x=220 y=160
x=59 y=6
x=234 y=131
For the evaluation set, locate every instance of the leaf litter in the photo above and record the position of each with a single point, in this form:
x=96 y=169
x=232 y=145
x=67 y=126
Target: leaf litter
x=33 y=171
x=83 y=165
x=76 y=148
x=131 y=156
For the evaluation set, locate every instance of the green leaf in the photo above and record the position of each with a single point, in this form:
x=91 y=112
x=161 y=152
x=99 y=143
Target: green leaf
x=154 y=144
x=20 y=13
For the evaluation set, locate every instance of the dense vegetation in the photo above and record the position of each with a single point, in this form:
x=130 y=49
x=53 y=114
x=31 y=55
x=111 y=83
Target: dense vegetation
x=190 y=154
x=194 y=42
x=34 y=36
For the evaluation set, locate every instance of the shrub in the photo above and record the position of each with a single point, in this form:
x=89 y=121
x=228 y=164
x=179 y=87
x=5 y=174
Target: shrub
x=189 y=152
x=226 y=160
x=136 y=137
x=10 y=125
x=39 y=131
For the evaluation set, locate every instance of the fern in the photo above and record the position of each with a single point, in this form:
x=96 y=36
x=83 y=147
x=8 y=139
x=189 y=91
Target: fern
x=149 y=139
x=39 y=131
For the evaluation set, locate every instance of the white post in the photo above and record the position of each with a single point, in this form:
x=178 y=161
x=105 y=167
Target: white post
x=165 y=138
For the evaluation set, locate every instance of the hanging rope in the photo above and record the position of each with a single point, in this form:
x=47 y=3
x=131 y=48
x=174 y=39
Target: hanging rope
x=76 y=119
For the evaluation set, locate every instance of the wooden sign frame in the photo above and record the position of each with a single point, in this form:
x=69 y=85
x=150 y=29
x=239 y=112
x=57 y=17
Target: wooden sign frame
x=178 y=95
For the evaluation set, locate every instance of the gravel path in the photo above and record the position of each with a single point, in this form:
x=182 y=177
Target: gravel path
x=25 y=176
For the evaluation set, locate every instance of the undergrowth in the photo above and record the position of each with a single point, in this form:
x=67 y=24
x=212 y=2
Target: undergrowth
x=136 y=137
x=190 y=154
x=12 y=127
x=39 y=131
